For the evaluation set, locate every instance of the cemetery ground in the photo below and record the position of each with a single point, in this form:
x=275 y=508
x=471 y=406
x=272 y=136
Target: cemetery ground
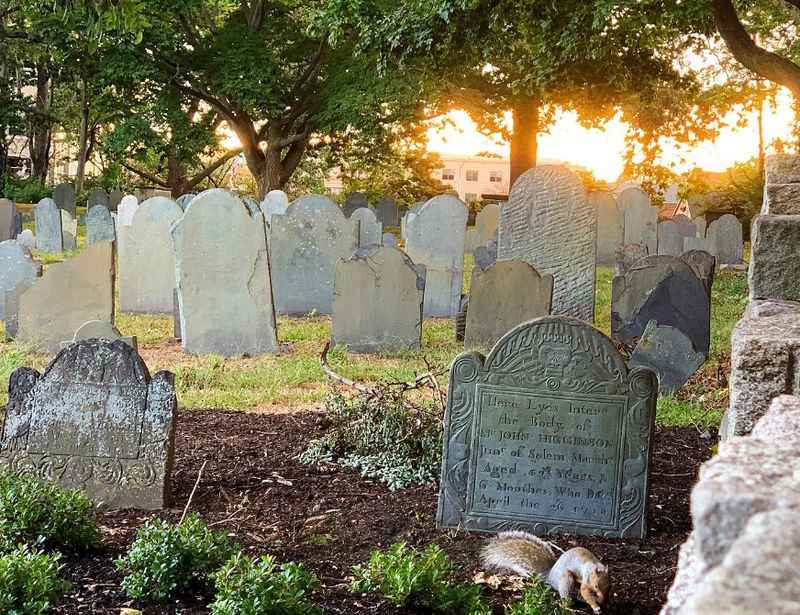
x=250 y=418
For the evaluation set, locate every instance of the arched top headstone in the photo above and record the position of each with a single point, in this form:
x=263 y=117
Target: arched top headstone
x=312 y=205
x=354 y=201
x=726 y=233
x=49 y=236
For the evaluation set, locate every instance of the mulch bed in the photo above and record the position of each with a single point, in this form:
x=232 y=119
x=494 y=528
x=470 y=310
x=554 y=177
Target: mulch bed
x=330 y=518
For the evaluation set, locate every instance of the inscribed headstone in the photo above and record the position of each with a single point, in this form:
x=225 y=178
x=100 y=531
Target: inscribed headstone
x=387 y=211
x=370 y=229
x=99 y=225
x=64 y=196
x=610 y=225
x=549 y=222
x=377 y=301
x=69 y=231
x=435 y=238
x=49 y=237
x=641 y=218
x=670 y=239
x=549 y=433
x=16 y=265
x=96 y=422
x=503 y=296
x=726 y=233
x=223 y=277
x=305 y=245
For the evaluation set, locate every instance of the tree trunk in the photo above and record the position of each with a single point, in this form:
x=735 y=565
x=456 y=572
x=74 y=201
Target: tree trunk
x=83 y=139
x=525 y=136
x=40 y=132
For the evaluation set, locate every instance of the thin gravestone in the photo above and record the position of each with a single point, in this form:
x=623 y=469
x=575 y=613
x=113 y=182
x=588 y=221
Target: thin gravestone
x=69 y=231
x=641 y=218
x=274 y=204
x=486 y=223
x=369 y=229
x=98 y=196
x=8 y=219
x=726 y=233
x=435 y=238
x=99 y=225
x=669 y=353
x=100 y=330
x=114 y=197
x=126 y=210
x=461 y=318
x=49 y=237
x=354 y=201
x=223 y=277
x=377 y=301
x=94 y=421
x=64 y=196
x=670 y=240
x=685 y=226
x=389 y=240
x=16 y=266
x=176 y=316
x=549 y=222
x=387 y=211
x=503 y=296
x=550 y=433
x=305 y=245
x=610 y=225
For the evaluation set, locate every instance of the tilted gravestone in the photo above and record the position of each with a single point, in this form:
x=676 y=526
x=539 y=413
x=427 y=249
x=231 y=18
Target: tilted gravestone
x=275 y=203
x=147 y=261
x=667 y=290
x=504 y=295
x=64 y=196
x=99 y=225
x=98 y=196
x=669 y=353
x=670 y=240
x=641 y=218
x=549 y=433
x=49 y=236
x=8 y=220
x=703 y=264
x=99 y=330
x=610 y=225
x=69 y=231
x=354 y=201
x=223 y=277
x=726 y=233
x=369 y=229
x=550 y=223
x=305 y=245
x=377 y=301
x=16 y=266
x=435 y=238
x=69 y=294
x=486 y=223
x=94 y=421
x=387 y=211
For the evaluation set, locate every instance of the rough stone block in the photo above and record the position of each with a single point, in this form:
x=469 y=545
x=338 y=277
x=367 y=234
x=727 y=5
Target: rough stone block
x=781 y=199
x=782 y=169
x=775 y=258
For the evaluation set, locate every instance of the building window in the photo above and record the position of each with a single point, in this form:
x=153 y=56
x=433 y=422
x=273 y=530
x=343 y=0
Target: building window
x=470 y=197
x=495 y=176
x=472 y=175
x=448 y=175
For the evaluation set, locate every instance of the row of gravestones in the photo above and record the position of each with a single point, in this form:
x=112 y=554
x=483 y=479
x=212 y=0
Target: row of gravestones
x=64 y=198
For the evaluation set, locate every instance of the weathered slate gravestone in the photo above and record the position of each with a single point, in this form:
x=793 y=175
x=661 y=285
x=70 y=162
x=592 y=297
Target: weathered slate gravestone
x=703 y=264
x=184 y=200
x=275 y=203
x=69 y=294
x=667 y=290
x=686 y=227
x=670 y=239
x=69 y=231
x=305 y=245
x=641 y=218
x=27 y=239
x=726 y=233
x=549 y=433
x=64 y=196
x=100 y=330
x=49 y=236
x=387 y=211
x=775 y=261
x=700 y=226
x=354 y=201
x=369 y=230
x=628 y=256
x=223 y=277
x=669 y=353
x=377 y=301
x=484 y=257
x=98 y=196
x=610 y=225
x=550 y=223
x=487 y=222
x=147 y=261
x=114 y=197
x=389 y=240
x=94 y=421
x=8 y=220
x=99 y=225
x=16 y=266
x=126 y=209
x=435 y=238
x=503 y=296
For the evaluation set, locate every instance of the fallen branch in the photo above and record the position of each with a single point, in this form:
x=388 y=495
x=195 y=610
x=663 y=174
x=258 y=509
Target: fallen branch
x=334 y=376
x=191 y=495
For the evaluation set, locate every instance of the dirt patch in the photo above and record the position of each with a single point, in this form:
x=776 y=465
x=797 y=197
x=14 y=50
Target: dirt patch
x=330 y=519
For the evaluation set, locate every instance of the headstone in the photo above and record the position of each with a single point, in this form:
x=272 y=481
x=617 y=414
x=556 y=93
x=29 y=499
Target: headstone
x=685 y=226
x=377 y=301
x=703 y=264
x=699 y=243
x=96 y=422
x=69 y=294
x=64 y=197
x=610 y=225
x=114 y=197
x=252 y=205
x=98 y=196
x=471 y=240
x=775 y=258
x=69 y=231
x=387 y=211
x=503 y=296
x=669 y=353
x=16 y=266
x=435 y=238
x=99 y=330
x=8 y=220
x=275 y=203
x=12 y=300
x=17 y=223
x=670 y=240
x=99 y=225
x=726 y=233
x=389 y=240
x=461 y=319
x=370 y=229
x=486 y=223
x=550 y=223
x=184 y=200
x=126 y=209
x=627 y=256
x=700 y=226
x=354 y=200
x=176 y=316
x=27 y=239
x=49 y=236
x=222 y=269
x=549 y=433
x=641 y=218
x=664 y=289
x=147 y=265
x=305 y=244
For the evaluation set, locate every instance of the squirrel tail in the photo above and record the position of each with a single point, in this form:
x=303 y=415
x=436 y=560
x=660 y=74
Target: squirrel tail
x=520 y=552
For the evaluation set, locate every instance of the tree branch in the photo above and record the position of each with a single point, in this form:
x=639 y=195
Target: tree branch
x=212 y=167
x=145 y=175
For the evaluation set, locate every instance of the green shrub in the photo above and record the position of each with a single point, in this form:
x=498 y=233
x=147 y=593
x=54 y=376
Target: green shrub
x=383 y=436
x=423 y=581
x=249 y=586
x=29 y=582
x=25 y=189
x=34 y=511
x=539 y=599
x=166 y=560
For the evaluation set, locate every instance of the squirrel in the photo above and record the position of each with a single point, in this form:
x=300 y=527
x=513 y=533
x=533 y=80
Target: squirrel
x=577 y=573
